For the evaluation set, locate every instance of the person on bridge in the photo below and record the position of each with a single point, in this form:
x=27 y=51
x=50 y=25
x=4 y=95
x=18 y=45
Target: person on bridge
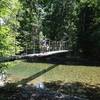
x=44 y=46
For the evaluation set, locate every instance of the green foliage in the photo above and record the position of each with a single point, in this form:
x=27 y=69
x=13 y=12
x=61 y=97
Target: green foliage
x=8 y=28
x=28 y=19
x=59 y=19
x=54 y=18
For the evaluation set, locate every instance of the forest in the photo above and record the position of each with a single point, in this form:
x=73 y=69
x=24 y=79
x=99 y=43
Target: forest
x=74 y=21
x=25 y=23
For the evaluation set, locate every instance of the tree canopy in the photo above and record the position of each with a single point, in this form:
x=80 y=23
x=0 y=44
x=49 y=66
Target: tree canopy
x=8 y=27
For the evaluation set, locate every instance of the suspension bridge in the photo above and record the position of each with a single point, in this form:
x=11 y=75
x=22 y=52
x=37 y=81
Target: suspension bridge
x=46 y=49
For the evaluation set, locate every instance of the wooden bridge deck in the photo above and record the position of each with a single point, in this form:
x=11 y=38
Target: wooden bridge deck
x=27 y=56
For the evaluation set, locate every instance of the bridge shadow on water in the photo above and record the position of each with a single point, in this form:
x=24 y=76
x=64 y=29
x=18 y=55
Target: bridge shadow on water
x=30 y=78
x=76 y=61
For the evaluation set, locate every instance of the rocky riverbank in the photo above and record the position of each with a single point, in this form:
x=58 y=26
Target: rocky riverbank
x=50 y=91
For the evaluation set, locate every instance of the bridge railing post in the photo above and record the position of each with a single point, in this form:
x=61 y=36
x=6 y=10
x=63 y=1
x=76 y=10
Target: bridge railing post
x=60 y=45
x=34 y=47
x=54 y=45
x=49 y=44
x=64 y=42
x=25 y=52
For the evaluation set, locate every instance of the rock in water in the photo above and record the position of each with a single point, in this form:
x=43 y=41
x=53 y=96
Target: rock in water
x=40 y=86
x=2 y=83
x=3 y=78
